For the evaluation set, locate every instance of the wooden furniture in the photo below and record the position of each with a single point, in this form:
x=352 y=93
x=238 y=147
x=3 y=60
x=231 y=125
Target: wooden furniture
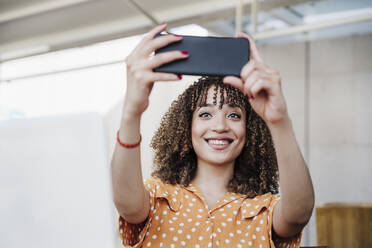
x=314 y=247
x=344 y=225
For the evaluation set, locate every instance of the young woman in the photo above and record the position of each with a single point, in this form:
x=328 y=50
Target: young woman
x=216 y=170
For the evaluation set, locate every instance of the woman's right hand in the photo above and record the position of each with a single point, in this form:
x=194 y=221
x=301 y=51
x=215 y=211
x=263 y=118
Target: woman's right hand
x=140 y=65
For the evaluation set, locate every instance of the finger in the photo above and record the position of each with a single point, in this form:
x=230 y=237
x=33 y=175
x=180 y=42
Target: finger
x=162 y=76
x=149 y=77
x=156 y=30
x=261 y=85
x=253 y=48
x=234 y=81
x=150 y=35
x=159 y=42
x=249 y=82
x=164 y=58
x=248 y=69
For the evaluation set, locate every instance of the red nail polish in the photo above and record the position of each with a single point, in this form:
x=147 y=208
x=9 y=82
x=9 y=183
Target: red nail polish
x=177 y=35
x=185 y=52
x=179 y=76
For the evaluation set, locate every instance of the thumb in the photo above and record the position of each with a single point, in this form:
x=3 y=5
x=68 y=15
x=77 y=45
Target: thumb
x=234 y=81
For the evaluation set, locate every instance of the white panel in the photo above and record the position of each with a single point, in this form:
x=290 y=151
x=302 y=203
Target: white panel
x=362 y=49
x=332 y=111
x=363 y=107
x=332 y=56
x=341 y=173
x=55 y=184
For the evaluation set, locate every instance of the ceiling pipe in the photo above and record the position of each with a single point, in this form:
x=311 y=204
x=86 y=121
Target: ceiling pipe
x=312 y=27
x=254 y=16
x=147 y=14
x=144 y=12
x=238 y=16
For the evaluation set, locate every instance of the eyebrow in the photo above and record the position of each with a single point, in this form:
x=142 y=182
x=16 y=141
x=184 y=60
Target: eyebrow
x=206 y=105
x=213 y=105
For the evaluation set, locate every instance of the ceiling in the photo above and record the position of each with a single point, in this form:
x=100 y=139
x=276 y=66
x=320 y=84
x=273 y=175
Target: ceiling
x=29 y=27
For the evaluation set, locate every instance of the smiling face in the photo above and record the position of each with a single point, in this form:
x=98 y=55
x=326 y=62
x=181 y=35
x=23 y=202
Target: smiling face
x=218 y=134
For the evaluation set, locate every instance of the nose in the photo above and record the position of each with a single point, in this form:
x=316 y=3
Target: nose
x=220 y=124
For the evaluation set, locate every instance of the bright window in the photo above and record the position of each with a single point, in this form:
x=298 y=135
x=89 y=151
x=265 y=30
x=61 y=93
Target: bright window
x=88 y=79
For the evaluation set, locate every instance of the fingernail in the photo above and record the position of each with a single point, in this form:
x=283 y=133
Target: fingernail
x=185 y=52
x=249 y=97
x=179 y=76
x=177 y=35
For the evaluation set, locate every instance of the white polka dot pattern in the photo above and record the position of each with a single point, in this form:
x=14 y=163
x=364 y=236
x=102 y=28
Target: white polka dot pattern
x=179 y=217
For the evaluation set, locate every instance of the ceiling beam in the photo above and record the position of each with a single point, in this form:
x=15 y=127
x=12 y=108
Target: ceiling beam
x=313 y=26
x=204 y=12
x=286 y=15
x=108 y=28
x=25 y=9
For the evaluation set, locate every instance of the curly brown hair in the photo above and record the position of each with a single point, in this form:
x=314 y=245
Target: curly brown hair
x=175 y=161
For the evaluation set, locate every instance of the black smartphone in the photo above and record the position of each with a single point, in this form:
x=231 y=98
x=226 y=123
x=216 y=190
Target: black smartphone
x=213 y=56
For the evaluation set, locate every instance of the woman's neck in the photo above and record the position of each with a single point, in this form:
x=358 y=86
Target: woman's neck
x=213 y=178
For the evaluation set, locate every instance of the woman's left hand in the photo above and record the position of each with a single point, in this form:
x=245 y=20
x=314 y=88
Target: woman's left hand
x=261 y=85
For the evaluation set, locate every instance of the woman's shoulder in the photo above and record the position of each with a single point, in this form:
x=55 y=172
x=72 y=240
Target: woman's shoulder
x=160 y=189
x=253 y=206
x=157 y=183
x=264 y=197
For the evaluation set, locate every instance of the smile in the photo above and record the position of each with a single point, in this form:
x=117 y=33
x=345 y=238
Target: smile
x=219 y=144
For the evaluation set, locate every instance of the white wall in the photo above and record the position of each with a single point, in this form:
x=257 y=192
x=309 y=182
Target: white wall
x=54 y=183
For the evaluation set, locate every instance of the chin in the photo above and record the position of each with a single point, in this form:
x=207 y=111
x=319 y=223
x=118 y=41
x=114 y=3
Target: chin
x=219 y=161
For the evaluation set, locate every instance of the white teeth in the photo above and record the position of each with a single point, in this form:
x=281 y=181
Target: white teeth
x=218 y=142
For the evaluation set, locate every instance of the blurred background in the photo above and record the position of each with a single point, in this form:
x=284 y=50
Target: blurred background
x=62 y=84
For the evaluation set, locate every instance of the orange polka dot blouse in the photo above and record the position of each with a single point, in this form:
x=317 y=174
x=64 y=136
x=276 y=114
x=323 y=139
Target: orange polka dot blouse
x=179 y=217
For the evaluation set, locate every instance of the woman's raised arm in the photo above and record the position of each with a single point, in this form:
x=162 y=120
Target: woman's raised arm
x=262 y=85
x=130 y=196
